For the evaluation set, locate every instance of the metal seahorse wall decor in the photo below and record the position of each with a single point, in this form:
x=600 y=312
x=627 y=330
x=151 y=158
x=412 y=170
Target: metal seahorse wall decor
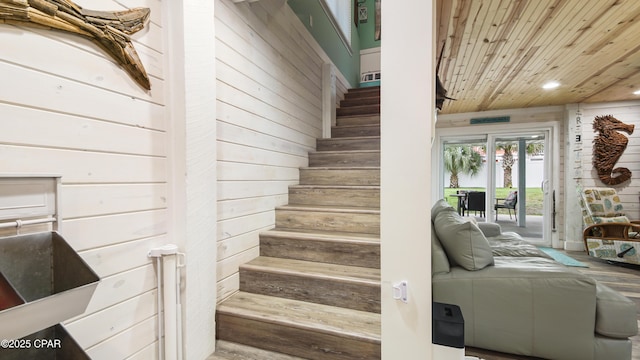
x=608 y=146
x=110 y=30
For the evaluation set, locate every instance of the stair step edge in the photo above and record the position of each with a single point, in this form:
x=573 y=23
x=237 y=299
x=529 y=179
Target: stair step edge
x=337 y=187
x=228 y=350
x=316 y=270
x=302 y=320
x=334 y=209
x=344 y=151
x=371 y=137
x=358 y=116
x=364 y=88
x=341 y=168
x=355 y=126
x=351 y=238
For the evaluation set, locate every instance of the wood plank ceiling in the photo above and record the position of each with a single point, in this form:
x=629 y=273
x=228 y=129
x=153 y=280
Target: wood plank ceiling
x=499 y=53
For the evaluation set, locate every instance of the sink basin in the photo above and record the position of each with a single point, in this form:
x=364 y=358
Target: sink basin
x=9 y=297
x=54 y=283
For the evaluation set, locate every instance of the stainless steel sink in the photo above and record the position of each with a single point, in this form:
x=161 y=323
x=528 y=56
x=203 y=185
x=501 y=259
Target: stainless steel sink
x=51 y=278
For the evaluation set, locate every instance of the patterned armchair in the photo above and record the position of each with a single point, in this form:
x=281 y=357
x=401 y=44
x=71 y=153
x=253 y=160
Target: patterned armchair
x=608 y=233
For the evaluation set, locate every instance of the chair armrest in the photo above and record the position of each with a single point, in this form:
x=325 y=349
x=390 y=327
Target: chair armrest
x=613 y=231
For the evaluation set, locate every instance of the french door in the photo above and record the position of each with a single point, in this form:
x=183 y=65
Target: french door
x=520 y=160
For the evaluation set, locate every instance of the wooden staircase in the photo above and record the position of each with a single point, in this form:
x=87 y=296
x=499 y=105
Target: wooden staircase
x=314 y=291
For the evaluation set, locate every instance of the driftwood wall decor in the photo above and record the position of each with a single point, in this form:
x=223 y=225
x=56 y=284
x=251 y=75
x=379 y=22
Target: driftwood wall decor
x=608 y=146
x=108 y=29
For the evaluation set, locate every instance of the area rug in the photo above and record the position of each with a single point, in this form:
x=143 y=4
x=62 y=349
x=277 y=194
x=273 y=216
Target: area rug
x=562 y=258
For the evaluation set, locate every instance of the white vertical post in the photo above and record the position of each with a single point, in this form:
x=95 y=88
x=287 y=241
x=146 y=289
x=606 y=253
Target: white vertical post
x=170 y=300
x=169 y=329
x=328 y=99
x=191 y=103
x=407 y=112
x=522 y=183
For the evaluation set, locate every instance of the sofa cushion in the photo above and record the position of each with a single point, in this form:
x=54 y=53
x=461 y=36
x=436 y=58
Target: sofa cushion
x=489 y=229
x=524 y=305
x=463 y=241
x=512 y=244
x=615 y=314
x=440 y=205
x=439 y=261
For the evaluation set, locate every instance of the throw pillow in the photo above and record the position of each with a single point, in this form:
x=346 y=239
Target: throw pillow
x=440 y=205
x=463 y=241
x=439 y=261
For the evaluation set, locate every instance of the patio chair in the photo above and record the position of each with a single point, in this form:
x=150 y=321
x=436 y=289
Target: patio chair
x=462 y=201
x=509 y=203
x=476 y=202
x=608 y=233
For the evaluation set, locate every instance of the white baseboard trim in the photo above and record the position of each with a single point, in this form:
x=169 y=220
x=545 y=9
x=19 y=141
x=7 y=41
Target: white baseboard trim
x=574 y=246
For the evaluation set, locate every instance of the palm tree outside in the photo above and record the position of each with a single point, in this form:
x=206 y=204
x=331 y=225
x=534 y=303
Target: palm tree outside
x=461 y=159
x=508 y=160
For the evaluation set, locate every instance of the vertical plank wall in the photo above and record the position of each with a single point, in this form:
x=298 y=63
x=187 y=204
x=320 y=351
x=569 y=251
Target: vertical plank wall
x=269 y=116
x=66 y=108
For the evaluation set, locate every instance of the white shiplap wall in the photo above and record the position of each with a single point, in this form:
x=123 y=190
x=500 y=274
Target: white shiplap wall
x=67 y=108
x=269 y=115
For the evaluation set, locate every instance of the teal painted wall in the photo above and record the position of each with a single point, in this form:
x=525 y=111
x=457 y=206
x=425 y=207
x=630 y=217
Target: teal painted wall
x=367 y=29
x=327 y=36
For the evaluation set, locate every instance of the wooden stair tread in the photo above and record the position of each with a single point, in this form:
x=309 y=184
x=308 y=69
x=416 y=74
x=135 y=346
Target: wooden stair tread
x=356 y=125
x=341 y=168
x=363 y=95
x=344 y=152
x=359 y=110
x=334 y=272
x=227 y=350
x=341 y=187
x=330 y=208
x=366 y=99
x=346 y=138
x=366 y=88
x=355 y=324
x=356 y=93
x=359 y=107
x=348 y=174
x=359 y=116
x=367 y=119
x=324 y=235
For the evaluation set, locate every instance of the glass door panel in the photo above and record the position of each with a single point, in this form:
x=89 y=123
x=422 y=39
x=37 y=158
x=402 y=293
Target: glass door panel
x=465 y=175
x=518 y=182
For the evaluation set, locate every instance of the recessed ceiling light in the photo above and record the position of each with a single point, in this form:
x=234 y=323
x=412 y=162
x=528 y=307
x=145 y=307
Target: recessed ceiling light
x=551 y=85
x=637 y=92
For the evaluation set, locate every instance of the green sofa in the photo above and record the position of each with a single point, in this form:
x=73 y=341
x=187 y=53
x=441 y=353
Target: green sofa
x=515 y=299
